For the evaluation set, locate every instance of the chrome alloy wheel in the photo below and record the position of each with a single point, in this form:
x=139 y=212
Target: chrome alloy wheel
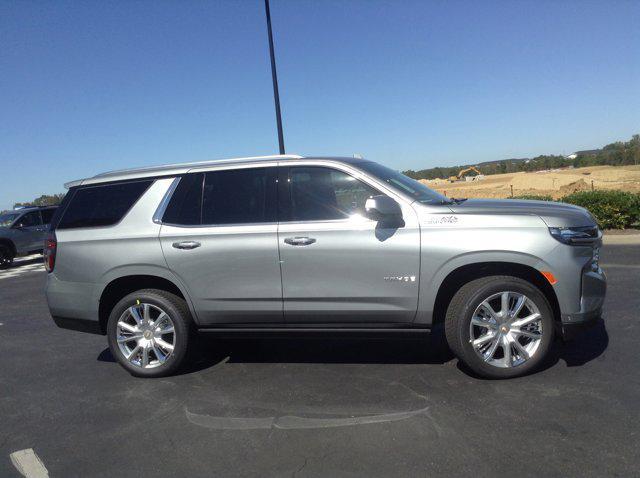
x=145 y=335
x=506 y=329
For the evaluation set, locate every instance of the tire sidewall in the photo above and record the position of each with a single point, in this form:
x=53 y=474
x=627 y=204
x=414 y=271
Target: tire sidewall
x=5 y=255
x=181 y=333
x=511 y=285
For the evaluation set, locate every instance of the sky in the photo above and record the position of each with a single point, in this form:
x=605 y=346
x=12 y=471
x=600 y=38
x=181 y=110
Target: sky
x=92 y=86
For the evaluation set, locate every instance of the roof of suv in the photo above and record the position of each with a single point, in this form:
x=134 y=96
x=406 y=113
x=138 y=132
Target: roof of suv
x=182 y=168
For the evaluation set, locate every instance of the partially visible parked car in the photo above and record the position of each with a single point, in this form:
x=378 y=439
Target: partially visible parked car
x=22 y=232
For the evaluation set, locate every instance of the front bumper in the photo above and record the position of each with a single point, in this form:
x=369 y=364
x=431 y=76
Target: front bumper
x=593 y=291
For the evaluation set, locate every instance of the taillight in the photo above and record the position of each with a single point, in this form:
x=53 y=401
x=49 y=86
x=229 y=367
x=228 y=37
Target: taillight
x=49 y=253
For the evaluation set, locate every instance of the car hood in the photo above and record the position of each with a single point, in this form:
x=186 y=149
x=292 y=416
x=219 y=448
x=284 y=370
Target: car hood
x=554 y=214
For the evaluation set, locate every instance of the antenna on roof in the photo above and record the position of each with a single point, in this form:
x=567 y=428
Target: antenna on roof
x=274 y=77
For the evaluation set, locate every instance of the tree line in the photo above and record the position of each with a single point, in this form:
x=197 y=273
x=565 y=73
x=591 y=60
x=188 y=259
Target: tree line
x=44 y=200
x=615 y=154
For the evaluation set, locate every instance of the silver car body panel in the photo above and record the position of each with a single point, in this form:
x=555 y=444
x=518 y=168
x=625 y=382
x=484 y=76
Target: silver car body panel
x=341 y=276
x=354 y=272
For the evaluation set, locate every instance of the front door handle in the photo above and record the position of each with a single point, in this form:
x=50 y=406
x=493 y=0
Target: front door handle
x=299 y=241
x=186 y=245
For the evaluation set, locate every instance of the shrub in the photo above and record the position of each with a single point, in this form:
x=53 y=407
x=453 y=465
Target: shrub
x=612 y=209
x=533 y=197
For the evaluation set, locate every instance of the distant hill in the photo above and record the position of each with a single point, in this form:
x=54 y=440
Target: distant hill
x=615 y=154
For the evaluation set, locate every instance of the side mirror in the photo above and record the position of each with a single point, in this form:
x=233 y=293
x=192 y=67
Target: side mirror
x=382 y=208
x=18 y=225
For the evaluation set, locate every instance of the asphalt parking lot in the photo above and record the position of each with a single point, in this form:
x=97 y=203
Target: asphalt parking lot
x=320 y=406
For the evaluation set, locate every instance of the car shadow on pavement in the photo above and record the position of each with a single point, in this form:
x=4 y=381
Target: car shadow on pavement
x=316 y=348
x=329 y=349
x=587 y=346
x=583 y=348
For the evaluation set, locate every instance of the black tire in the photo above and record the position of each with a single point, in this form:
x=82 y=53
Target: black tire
x=6 y=256
x=460 y=312
x=178 y=312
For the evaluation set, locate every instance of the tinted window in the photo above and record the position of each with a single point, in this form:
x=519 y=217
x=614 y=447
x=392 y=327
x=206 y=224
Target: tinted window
x=185 y=207
x=241 y=196
x=404 y=184
x=7 y=219
x=47 y=214
x=30 y=219
x=59 y=211
x=319 y=194
x=95 y=206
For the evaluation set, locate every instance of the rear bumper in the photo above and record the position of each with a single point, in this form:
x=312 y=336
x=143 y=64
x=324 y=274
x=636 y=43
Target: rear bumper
x=71 y=301
x=594 y=289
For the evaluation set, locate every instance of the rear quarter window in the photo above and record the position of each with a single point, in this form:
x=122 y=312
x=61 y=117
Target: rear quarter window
x=102 y=205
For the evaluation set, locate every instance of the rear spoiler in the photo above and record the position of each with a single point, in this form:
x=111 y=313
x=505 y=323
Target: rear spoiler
x=72 y=184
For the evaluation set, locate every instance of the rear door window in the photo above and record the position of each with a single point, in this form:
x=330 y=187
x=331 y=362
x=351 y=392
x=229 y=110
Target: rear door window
x=185 y=207
x=102 y=205
x=239 y=196
x=235 y=196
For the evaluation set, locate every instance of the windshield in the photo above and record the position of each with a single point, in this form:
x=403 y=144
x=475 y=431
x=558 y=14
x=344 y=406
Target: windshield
x=7 y=219
x=404 y=184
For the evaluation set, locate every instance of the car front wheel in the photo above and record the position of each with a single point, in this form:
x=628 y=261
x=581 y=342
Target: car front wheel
x=149 y=332
x=500 y=326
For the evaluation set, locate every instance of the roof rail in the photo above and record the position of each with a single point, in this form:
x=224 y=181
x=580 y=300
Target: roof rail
x=195 y=164
x=170 y=168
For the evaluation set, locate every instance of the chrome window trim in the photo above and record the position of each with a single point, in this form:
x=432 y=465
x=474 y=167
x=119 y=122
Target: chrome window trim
x=209 y=226
x=352 y=171
x=157 y=216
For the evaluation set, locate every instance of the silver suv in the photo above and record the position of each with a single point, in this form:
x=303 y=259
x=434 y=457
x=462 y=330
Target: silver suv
x=150 y=256
x=22 y=232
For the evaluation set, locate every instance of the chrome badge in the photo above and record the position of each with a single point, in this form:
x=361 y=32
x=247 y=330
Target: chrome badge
x=400 y=278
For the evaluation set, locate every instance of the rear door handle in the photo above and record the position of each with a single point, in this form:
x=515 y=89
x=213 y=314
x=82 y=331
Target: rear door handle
x=186 y=245
x=299 y=241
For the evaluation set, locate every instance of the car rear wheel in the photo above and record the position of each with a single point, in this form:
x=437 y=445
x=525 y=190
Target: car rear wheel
x=500 y=326
x=6 y=256
x=149 y=332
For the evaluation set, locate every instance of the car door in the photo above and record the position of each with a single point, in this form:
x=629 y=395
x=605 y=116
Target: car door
x=338 y=266
x=28 y=235
x=219 y=236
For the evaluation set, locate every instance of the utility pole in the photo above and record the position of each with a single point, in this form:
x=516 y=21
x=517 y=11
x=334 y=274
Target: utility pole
x=274 y=77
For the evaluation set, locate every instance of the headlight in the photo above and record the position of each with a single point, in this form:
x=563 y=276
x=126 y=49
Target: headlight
x=575 y=235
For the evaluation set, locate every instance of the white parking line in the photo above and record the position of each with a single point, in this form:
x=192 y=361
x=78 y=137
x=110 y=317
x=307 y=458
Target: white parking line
x=29 y=464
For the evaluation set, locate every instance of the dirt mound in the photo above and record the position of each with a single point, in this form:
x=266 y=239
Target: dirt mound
x=573 y=187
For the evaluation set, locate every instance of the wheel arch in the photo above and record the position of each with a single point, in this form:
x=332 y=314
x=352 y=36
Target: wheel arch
x=121 y=286
x=466 y=273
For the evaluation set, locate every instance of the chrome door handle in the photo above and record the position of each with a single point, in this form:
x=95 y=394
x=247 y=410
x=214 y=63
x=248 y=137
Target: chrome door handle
x=186 y=245
x=299 y=241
